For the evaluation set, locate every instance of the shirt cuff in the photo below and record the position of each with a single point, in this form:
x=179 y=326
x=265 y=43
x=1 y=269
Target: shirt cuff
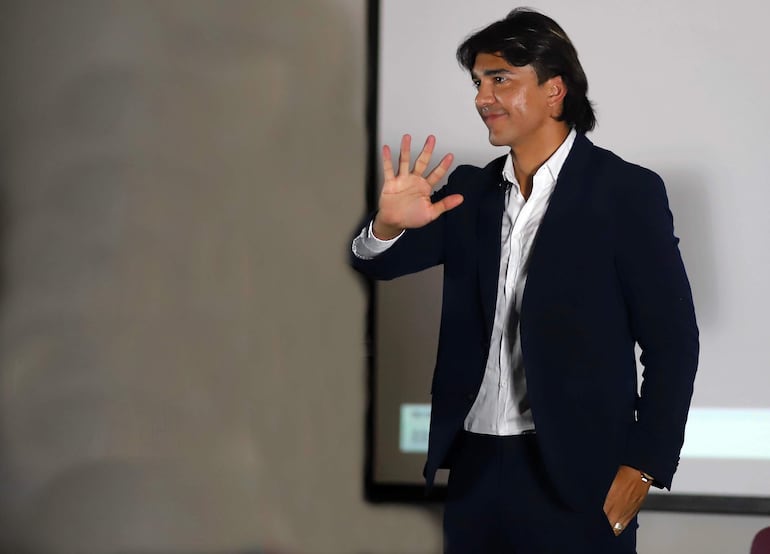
x=366 y=246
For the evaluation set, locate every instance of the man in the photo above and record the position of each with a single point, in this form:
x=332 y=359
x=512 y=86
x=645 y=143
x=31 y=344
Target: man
x=558 y=258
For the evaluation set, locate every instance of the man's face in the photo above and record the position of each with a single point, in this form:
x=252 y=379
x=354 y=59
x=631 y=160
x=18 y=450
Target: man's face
x=514 y=107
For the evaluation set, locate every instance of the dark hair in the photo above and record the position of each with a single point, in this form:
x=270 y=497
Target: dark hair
x=527 y=37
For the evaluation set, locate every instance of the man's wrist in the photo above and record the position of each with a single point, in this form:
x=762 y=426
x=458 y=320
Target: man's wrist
x=385 y=232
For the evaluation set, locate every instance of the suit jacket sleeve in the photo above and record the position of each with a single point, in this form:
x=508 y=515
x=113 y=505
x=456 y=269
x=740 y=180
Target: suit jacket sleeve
x=662 y=320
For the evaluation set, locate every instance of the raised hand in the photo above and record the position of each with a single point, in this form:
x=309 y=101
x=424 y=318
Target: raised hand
x=405 y=201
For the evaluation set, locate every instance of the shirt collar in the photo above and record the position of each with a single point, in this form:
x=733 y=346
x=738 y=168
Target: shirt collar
x=552 y=165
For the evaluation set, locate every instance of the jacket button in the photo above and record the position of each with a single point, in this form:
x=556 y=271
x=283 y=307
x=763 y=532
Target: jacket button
x=471 y=397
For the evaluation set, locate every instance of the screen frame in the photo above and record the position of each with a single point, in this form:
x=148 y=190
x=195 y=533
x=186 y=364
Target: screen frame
x=391 y=492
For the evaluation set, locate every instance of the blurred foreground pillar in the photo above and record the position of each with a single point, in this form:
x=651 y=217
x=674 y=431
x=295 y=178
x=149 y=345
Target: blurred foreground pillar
x=181 y=342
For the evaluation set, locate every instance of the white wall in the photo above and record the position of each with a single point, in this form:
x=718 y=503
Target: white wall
x=673 y=87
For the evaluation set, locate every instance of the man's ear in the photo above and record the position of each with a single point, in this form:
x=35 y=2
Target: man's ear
x=556 y=90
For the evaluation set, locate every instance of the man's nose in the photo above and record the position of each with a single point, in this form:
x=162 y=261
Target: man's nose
x=484 y=97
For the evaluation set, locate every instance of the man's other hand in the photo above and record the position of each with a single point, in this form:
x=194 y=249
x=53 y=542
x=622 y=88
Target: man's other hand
x=625 y=497
x=405 y=201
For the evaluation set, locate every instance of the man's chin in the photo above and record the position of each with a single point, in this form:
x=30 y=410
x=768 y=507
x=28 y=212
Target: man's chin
x=496 y=140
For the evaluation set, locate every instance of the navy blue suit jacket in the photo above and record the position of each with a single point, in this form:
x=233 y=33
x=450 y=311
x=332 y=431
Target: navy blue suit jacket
x=605 y=273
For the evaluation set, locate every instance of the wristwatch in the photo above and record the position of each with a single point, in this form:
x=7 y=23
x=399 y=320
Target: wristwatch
x=647 y=478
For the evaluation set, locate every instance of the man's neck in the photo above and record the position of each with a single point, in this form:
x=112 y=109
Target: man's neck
x=530 y=156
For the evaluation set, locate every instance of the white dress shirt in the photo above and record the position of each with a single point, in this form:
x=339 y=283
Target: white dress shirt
x=501 y=406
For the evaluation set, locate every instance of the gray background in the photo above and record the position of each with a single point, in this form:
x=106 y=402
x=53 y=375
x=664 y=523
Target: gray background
x=181 y=341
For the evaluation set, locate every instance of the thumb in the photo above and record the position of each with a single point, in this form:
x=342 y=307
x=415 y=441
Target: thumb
x=446 y=204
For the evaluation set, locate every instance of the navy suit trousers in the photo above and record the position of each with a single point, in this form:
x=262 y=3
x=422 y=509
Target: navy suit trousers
x=500 y=500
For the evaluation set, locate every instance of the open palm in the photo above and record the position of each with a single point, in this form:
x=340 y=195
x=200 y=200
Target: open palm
x=405 y=201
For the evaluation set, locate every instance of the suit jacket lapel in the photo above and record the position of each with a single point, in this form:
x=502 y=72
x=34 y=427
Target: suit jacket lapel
x=564 y=199
x=489 y=225
x=570 y=179
x=489 y=228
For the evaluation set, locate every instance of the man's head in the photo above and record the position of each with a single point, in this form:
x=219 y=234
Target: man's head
x=526 y=45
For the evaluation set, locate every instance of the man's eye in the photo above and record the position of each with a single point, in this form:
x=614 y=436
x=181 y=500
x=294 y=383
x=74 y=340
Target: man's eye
x=499 y=79
x=476 y=84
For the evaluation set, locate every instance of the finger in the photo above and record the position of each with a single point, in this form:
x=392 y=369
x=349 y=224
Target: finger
x=403 y=159
x=623 y=524
x=446 y=204
x=613 y=515
x=424 y=157
x=440 y=170
x=612 y=519
x=624 y=517
x=387 y=164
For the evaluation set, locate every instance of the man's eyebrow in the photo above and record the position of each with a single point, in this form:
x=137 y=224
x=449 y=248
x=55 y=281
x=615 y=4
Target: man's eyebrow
x=490 y=72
